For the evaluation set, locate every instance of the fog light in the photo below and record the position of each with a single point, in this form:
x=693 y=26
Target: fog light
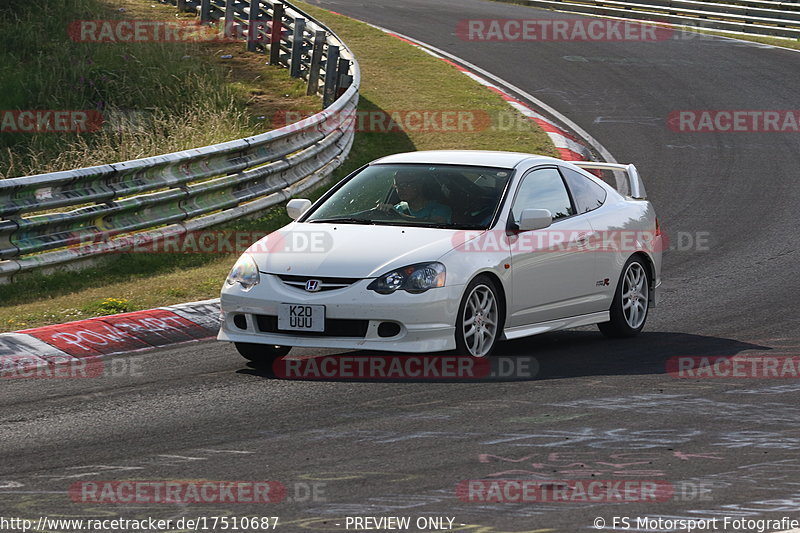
x=388 y=329
x=240 y=321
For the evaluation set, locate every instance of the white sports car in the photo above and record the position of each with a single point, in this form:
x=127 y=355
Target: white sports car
x=442 y=250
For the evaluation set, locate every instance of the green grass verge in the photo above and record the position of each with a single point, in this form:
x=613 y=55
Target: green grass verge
x=154 y=97
x=396 y=76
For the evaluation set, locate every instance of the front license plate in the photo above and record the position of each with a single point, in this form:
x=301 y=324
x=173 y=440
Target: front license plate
x=301 y=317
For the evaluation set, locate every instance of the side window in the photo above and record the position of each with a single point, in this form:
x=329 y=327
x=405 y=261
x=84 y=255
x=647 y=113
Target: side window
x=587 y=194
x=543 y=189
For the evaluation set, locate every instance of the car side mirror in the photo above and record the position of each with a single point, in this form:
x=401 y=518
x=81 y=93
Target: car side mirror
x=296 y=207
x=533 y=219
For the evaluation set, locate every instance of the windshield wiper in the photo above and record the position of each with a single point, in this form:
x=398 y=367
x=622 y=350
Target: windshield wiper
x=455 y=226
x=423 y=224
x=344 y=220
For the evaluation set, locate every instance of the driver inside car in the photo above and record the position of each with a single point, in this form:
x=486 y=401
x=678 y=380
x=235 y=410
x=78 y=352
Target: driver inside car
x=415 y=201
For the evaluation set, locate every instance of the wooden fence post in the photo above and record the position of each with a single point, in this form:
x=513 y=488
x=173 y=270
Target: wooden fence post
x=316 y=60
x=276 y=32
x=229 y=22
x=205 y=11
x=252 y=25
x=296 y=59
x=331 y=64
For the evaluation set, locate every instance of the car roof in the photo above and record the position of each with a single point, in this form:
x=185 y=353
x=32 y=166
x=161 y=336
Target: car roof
x=483 y=158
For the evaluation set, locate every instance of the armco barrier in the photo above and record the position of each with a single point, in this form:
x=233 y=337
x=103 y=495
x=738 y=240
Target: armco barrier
x=171 y=194
x=757 y=17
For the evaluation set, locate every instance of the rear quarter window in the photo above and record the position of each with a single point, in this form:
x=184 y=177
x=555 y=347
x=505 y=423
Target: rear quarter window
x=587 y=195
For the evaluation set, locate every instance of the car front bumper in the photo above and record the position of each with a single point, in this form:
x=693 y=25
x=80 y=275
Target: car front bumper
x=426 y=320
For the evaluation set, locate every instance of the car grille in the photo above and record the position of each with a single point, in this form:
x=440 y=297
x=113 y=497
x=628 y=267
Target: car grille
x=334 y=327
x=325 y=284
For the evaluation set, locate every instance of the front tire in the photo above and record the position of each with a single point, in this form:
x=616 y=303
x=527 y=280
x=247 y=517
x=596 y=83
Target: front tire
x=479 y=319
x=631 y=301
x=262 y=355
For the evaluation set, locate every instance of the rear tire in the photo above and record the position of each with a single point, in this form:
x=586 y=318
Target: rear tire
x=262 y=355
x=631 y=301
x=480 y=320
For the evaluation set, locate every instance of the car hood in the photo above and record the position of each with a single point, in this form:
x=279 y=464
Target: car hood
x=349 y=250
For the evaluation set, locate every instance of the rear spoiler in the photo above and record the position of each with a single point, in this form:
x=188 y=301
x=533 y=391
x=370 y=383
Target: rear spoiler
x=633 y=187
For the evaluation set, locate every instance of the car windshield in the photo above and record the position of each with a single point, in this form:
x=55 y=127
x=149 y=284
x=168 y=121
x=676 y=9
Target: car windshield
x=441 y=196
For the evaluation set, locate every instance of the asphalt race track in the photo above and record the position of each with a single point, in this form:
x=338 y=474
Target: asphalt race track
x=597 y=409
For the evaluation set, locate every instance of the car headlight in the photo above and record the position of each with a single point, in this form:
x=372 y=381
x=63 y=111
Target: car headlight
x=413 y=278
x=245 y=273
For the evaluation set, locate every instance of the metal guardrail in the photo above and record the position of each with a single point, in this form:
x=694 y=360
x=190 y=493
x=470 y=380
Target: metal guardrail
x=159 y=197
x=757 y=17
